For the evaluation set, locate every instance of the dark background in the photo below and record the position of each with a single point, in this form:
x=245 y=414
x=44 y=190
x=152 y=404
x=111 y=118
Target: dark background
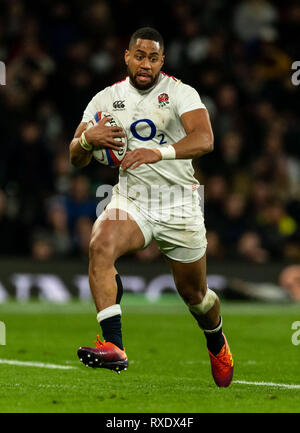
x=237 y=54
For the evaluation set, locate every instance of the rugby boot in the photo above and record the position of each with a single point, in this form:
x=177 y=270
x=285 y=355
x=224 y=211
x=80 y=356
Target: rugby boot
x=104 y=355
x=222 y=365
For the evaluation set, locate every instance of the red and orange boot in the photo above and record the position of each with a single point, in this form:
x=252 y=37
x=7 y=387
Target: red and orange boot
x=104 y=355
x=222 y=365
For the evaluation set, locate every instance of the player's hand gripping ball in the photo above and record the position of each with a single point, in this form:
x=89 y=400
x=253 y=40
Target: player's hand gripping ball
x=107 y=156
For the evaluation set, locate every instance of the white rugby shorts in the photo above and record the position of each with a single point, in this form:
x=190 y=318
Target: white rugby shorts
x=183 y=239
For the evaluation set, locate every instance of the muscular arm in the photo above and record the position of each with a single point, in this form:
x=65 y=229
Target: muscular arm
x=199 y=137
x=78 y=156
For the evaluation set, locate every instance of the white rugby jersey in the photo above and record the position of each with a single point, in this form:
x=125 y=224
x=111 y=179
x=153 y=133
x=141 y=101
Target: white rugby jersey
x=151 y=119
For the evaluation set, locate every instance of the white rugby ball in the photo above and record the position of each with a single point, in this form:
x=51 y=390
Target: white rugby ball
x=107 y=156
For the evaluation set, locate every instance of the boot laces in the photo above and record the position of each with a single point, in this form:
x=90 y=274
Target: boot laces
x=224 y=358
x=98 y=342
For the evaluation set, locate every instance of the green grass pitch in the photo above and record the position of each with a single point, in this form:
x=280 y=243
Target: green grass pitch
x=169 y=368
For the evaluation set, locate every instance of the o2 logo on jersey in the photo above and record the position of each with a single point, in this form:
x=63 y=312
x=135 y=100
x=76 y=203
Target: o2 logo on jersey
x=152 y=131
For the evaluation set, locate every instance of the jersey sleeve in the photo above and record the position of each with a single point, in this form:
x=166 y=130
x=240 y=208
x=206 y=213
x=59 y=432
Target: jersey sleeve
x=187 y=99
x=95 y=104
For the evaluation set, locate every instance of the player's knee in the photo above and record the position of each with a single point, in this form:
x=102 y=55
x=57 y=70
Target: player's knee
x=191 y=294
x=207 y=302
x=101 y=247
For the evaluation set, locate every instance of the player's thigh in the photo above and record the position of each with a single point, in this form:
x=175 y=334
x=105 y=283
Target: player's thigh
x=116 y=233
x=189 y=278
x=185 y=248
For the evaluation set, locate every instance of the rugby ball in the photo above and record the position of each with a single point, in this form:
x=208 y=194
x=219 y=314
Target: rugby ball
x=107 y=156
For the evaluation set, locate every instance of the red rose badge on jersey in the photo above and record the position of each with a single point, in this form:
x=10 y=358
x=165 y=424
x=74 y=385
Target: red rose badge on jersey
x=163 y=99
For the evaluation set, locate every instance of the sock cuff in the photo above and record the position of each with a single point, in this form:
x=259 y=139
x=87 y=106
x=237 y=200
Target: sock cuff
x=212 y=331
x=111 y=311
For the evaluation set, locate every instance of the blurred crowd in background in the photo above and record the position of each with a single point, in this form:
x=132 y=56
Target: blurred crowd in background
x=237 y=54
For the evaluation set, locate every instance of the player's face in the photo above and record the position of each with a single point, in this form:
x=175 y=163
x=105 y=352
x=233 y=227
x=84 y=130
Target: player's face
x=144 y=61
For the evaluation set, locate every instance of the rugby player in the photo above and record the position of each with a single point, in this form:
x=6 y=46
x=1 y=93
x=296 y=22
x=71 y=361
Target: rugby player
x=167 y=125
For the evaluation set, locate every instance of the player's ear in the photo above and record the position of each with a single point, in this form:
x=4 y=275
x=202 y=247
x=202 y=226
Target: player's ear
x=126 y=57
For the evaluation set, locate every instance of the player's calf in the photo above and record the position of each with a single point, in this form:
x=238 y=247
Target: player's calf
x=110 y=318
x=207 y=314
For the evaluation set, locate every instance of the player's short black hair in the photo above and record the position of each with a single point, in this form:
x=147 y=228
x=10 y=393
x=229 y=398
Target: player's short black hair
x=147 y=33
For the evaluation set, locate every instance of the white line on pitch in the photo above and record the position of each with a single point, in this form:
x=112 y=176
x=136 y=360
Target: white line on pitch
x=278 y=385
x=35 y=364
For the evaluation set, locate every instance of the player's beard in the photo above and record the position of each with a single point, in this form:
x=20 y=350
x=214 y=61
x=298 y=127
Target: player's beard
x=142 y=86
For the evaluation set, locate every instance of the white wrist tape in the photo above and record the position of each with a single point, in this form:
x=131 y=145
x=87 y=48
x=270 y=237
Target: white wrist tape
x=111 y=311
x=168 y=152
x=84 y=144
x=206 y=304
